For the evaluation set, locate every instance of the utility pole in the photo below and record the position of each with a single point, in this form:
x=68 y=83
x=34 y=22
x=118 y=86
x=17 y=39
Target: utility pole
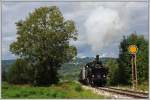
x=133 y=50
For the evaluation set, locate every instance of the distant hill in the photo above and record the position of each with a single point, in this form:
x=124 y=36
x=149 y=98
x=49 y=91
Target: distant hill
x=6 y=64
x=69 y=71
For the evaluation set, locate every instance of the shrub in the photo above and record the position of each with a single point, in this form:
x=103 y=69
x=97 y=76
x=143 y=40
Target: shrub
x=17 y=74
x=78 y=88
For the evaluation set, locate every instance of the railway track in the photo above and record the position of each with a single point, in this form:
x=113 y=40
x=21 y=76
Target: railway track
x=128 y=93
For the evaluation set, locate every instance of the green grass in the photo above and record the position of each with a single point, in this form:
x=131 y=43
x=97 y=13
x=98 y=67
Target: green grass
x=61 y=90
x=141 y=87
x=144 y=86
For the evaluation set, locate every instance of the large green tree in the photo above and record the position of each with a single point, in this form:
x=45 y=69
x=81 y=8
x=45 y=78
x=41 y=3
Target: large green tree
x=142 y=56
x=124 y=60
x=43 y=41
x=124 y=70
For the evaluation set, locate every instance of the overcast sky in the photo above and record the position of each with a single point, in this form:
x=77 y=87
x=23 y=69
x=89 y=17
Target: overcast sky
x=100 y=25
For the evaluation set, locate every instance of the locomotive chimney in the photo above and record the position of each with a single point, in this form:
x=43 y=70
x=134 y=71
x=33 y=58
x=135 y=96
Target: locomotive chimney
x=97 y=58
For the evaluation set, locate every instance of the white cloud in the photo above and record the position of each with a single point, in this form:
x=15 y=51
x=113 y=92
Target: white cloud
x=107 y=23
x=100 y=24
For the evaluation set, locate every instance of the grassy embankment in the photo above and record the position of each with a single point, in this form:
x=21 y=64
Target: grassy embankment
x=61 y=90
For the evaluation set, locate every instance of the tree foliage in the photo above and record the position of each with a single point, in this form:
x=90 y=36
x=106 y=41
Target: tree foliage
x=43 y=41
x=124 y=63
x=112 y=66
x=4 y=75
x=124 y=60
x=18 y=72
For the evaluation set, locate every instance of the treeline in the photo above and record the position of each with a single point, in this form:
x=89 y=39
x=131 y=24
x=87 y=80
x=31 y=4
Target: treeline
x=120 y=70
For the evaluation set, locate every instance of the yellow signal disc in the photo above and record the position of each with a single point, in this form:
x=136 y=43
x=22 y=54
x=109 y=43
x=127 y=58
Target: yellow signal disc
x=133 y=49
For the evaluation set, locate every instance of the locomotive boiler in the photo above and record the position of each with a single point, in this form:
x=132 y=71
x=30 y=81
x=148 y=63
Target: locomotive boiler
x=93 y=73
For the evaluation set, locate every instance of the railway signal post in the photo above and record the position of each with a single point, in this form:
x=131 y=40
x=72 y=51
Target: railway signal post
x=133 y=50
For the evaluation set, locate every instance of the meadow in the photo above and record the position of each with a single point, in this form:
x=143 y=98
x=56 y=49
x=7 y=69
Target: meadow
x=68 y=90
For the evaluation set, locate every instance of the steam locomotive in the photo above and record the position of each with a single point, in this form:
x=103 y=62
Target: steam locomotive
x=93 y=73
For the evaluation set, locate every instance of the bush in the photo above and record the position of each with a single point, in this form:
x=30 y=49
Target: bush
x=78 y=88
x=17 y=74
x=112 y=78
x=4 y=75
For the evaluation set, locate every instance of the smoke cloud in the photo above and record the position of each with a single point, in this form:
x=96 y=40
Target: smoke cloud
x=103 y=26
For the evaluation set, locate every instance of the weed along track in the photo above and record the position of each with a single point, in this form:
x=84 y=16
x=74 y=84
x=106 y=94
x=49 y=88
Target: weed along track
x=115 y=93
x=127 y=90
x=128 y=93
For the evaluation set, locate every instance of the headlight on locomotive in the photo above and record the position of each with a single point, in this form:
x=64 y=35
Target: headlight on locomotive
x=93 y=76
x=104 y=76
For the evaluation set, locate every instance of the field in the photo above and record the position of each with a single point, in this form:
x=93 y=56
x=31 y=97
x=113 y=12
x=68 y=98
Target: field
x=69 y=71
x=61 y=90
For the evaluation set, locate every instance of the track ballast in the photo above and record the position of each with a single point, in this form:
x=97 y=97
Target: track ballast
x=129 y=93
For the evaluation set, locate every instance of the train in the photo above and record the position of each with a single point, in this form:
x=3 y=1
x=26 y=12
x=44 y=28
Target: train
x=94 y=73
